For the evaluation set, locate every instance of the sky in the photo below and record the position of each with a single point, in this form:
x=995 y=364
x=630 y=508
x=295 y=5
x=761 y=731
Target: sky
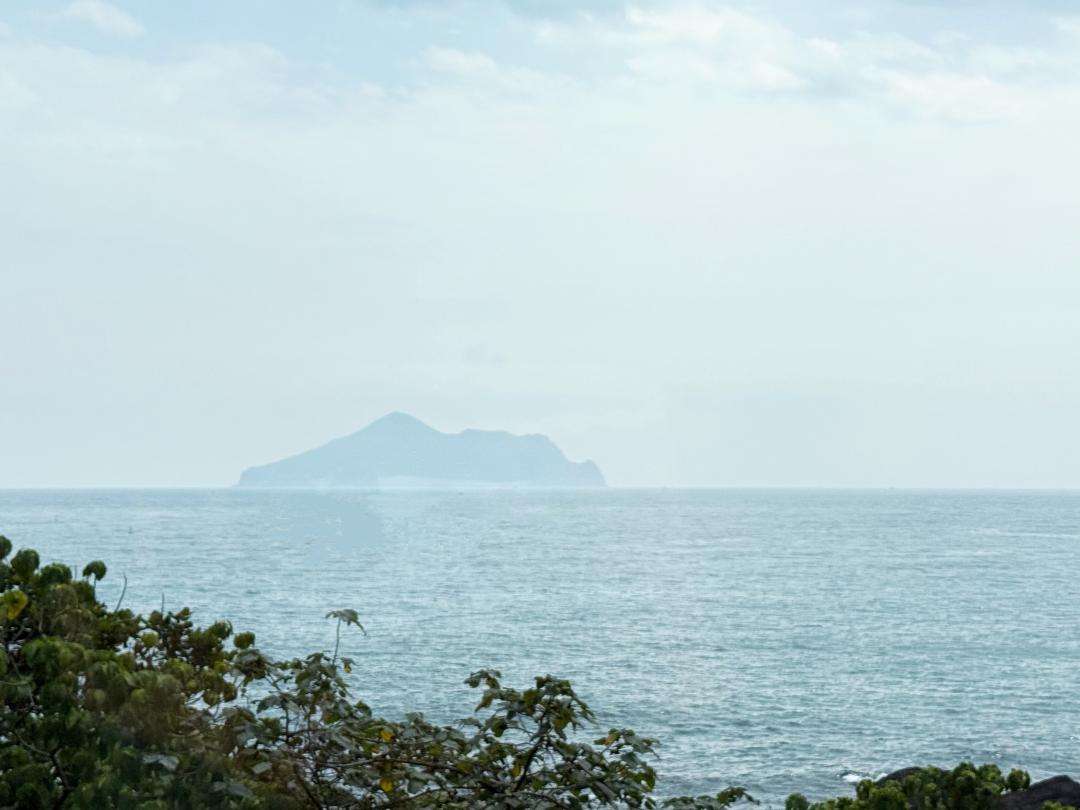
x=746 y=243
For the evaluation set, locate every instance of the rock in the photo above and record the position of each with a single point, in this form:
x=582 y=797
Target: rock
x=1061 y=789
x=898 y=776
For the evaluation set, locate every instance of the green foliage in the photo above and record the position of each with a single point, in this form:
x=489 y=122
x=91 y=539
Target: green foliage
x=104 y=708
x=95 y=569
x=92 y=716
x=966 y=787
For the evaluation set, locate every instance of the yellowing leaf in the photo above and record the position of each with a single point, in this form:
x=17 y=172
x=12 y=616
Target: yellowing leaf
x=516 y=770
x=386 y=734
x=15 y=600
x=387 y=784
x=348 y=667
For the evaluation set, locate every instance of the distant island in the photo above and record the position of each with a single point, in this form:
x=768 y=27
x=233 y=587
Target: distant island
x=400 y=451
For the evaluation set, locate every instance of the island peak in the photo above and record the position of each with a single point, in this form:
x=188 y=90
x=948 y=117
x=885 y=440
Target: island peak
x=399 y=450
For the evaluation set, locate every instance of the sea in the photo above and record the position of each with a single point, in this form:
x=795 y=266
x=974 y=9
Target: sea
x=778 y=640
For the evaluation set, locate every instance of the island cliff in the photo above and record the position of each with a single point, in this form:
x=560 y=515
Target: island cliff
x=401 y=451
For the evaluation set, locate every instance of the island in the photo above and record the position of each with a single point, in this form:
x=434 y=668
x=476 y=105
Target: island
x=400 y=451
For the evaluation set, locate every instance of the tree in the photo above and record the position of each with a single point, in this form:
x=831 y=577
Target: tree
x=107 y=708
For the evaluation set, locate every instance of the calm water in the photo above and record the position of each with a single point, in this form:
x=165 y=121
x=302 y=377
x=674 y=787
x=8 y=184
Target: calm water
x=778 y=640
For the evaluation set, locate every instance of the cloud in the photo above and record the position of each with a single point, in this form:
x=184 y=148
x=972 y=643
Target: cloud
x=698 y=24
x=714 y=44
x=449 y=60
x=106 y=18
x=14 y=94
x=929 y=72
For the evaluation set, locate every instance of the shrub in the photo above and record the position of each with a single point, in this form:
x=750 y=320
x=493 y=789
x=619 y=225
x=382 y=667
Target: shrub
x=107 y=708
x=966 y=787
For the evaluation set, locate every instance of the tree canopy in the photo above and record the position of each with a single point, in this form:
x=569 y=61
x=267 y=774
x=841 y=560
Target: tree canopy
x=108 y=708
x=105 y=708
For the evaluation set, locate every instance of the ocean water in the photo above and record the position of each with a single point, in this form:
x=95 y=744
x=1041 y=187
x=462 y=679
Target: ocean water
x=777 y=640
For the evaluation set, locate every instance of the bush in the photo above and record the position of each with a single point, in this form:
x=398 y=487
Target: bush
x=966 y=787
x=107 y=708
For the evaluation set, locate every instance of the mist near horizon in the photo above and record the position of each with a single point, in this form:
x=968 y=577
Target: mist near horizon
x=704 y=244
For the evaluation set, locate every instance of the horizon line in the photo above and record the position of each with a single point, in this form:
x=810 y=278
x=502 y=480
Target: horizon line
x=511 y=488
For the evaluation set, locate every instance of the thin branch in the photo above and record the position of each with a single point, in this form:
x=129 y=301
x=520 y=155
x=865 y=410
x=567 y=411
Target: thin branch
x=119 y=601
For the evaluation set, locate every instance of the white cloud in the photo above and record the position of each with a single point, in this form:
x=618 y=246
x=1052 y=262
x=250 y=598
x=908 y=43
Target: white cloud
x=1070 y=26
x=698 y=24
x=724 y=49
x=950 y=97
x=105 y=17
x=13 y=93
x=449 y=60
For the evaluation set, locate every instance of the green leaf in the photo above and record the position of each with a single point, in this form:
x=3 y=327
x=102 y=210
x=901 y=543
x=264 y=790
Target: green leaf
x=166 y=761
x=240 y=789
x=25 y=562
x=95 y=569
x=347 y=616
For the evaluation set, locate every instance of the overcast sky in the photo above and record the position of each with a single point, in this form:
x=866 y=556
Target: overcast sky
x=772 y=243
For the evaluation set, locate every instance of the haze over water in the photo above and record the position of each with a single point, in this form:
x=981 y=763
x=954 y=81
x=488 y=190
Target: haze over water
x=782 y=640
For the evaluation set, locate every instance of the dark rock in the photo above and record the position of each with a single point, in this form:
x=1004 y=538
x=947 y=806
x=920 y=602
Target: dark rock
x=898 y=776
x=1061 y=789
